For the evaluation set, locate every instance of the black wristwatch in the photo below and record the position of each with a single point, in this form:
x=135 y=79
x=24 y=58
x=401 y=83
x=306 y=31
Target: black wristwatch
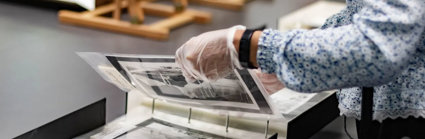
x=245 y=46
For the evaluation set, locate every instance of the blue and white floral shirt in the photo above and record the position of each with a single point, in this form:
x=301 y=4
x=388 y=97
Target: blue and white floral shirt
x=379 y=43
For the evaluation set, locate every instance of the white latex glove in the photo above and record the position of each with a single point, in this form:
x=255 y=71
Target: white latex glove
x=270 y=82
x=209 y=56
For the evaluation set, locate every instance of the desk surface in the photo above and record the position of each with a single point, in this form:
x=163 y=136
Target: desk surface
x=42 y=79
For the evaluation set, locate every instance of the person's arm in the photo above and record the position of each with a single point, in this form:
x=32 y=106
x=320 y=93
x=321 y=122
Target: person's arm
x=373 y=50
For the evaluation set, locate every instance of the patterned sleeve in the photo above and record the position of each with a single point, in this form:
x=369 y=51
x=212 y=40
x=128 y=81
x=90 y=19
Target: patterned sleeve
x=371 y=51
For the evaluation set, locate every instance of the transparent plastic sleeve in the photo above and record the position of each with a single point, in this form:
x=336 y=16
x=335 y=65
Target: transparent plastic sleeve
x=159 y=77
x=106 y=70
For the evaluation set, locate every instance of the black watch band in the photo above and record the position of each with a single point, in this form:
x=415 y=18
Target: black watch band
x=244 y=49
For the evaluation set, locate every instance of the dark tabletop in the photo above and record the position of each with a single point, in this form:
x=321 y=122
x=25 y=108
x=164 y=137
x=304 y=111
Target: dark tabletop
x=42 y=79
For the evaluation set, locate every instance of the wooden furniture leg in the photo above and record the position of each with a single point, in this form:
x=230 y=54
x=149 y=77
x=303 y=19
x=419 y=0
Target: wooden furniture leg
x=158 y=30
x=135 y=12
x=117 y=10
x=227 y=4
x=180 y=5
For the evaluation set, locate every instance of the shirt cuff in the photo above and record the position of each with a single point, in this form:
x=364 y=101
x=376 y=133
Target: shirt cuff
x=271 y=45
x=266 y=51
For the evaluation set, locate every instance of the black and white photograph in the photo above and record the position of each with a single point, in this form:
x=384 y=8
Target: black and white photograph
x=161 y=78
x=167 y=80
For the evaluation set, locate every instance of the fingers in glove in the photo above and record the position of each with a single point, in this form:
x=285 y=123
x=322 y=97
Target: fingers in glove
x=184 y=65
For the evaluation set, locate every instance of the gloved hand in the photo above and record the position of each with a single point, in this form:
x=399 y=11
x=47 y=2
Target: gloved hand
x=270 y=82
x=209 y=56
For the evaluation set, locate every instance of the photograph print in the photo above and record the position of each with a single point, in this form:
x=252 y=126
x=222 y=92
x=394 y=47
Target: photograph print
x=162 y=78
